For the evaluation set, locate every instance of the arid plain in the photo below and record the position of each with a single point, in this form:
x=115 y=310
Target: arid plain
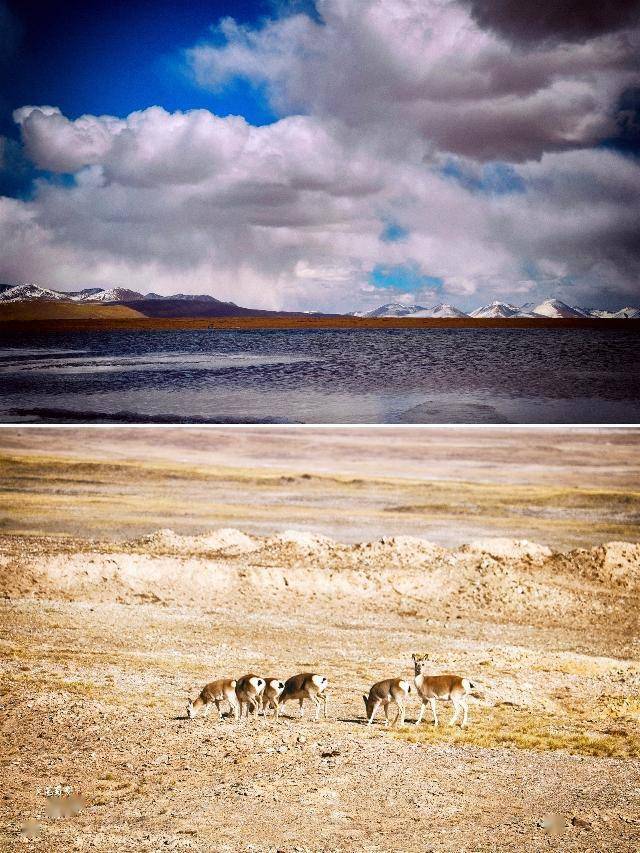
x=137 y=564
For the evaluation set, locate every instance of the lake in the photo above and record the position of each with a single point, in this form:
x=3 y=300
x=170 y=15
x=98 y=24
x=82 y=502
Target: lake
x=399 y=376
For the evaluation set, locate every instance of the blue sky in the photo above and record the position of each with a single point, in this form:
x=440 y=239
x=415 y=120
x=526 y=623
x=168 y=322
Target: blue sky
x=93 y=57
x=406 y=278
x=369 y=165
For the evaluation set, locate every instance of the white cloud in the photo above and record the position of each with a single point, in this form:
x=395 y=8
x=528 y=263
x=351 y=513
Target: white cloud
x=290 y=215
x=403 y=69
x=55 y=143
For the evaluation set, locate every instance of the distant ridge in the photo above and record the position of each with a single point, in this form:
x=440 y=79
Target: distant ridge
x=192 y=307
x=550 y=308
x=398 y=309
x=32 y=292
x=138 y=304
x=182 y=305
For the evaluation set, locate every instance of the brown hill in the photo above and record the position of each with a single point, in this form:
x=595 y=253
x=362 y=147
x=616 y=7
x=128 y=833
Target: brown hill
x=33 y=312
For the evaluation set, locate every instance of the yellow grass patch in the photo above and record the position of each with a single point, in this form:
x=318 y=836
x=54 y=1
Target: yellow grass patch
x=515 y=728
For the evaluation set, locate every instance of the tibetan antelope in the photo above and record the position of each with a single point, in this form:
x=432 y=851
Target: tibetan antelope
x=307 y=685
x=430 y=688
x=271 y=696
x=216 y=692
x=383 y=693
x=249 y=690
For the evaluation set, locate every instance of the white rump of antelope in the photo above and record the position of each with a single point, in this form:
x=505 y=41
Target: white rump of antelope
x=271 y=696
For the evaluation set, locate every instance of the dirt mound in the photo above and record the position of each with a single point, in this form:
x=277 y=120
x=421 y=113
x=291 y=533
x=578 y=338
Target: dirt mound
x=292 y=544
x=383 y=554
x=226 y=540
x=302 y=543
x=512 y=549
x=404 y=549
x=493 y=579
x=614 y=563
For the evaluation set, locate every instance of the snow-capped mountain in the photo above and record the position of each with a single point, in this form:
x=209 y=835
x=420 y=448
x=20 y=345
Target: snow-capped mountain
x=191 y=297
x=116 y=294
x=399 y=309
x=548 y=308
x=439 y=311
x=30 y=293
x=553 y=308
x=497 y=309
x=34 y=293
x=627 y=313
x=391 y=309
x=81 y=295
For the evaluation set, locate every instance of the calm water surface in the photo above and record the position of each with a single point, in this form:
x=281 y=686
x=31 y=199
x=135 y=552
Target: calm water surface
x=323 y=376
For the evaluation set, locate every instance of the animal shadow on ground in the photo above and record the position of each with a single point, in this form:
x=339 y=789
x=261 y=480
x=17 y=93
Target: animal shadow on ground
x=362 y=721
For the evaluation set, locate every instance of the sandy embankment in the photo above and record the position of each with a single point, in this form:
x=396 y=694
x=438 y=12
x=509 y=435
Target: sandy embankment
x=494 y=578
x=33 y=315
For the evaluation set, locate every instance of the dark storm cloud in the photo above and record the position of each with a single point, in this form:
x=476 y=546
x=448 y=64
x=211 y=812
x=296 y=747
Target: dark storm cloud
x=530 y=21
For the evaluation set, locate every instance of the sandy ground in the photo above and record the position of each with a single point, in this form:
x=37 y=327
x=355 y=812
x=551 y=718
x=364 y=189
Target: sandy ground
x=105 y=634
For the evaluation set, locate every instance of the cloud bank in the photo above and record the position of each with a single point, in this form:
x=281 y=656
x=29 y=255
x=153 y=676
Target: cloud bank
x=461 y=140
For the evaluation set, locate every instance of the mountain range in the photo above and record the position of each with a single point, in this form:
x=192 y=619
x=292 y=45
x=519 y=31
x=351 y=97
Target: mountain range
x=138 y=304
x=34 y=293
x=549 y=308
x=189 y=305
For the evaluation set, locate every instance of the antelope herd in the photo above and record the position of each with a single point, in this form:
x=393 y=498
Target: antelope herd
x=253 y=694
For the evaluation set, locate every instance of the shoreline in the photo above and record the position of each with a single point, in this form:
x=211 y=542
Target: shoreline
x=21 y=327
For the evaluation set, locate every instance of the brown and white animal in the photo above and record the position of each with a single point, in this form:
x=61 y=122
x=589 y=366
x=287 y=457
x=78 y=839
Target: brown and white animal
x=309 y=686
x=249 y=691
x=431 y=688
x=384 y=693
x=271 y=696
x=216 y=692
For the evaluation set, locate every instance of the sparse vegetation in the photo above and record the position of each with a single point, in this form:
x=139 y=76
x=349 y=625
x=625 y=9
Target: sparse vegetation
x=516 y=728
x=98 y=498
